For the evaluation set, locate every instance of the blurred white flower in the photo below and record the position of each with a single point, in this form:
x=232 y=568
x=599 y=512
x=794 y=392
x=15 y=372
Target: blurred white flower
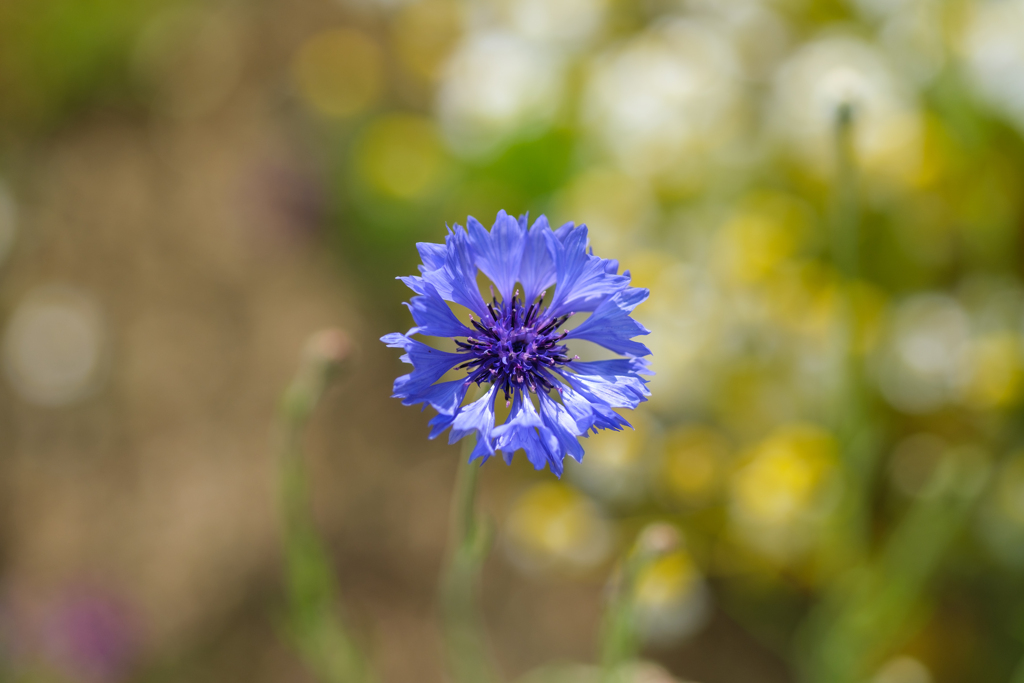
x=993 y=47
x=54 y=346
x=497 y=85
x=563 y=23
x=759 y=34
x=8 y=221
x=914 y=38
x=663 y=101
x=829 y=74
x=924 y=362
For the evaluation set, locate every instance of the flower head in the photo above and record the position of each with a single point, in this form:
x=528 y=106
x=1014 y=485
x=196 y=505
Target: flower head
x=516 y=345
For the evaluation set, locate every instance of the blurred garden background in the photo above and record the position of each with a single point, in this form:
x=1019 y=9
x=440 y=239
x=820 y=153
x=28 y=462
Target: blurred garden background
x=825 y=197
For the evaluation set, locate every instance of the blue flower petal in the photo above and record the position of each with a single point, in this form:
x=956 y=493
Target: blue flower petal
x=445 y=397
x=498 y=252
x=582 y=280
x=477 y=417
x=433 y=317
x=610 y=324
x=614 y=391
x=433 y=255
x=579 y=408
x=520 y=433
x=462 y=269
x=537 y=270
x=429 y=365
x=562 y=427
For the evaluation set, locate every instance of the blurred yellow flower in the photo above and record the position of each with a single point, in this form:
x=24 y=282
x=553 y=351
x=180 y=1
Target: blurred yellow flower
x=666 y=579
x=783 y=487
x=765 y=231
x=553 y=526
x=401 y=155
x=339 y=72
x=695 y=458
x=670 y=599
x=997 y=375
x=424 y=33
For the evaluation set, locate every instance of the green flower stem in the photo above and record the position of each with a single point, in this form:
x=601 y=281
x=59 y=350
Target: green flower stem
x=866 y=616
x=852 y=420
x=620 y=642
x=466 y=645
x=313 y=623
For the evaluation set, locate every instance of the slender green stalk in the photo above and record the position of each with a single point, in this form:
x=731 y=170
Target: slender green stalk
x=865 y=616
x=852 y=421
x=620 y=642
x=313 y=622
x=468 y=653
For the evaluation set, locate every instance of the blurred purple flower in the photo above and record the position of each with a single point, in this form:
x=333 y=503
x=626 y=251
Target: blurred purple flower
x=516 y=344
x=91 y=637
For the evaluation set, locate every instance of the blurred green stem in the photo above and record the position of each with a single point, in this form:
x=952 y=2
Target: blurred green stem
x=470 y=538
x=866 y=613
x=620 y=641
x=853 y=424
x=313 y=623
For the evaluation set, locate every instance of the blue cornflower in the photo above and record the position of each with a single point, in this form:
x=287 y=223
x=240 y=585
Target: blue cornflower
x=516 y=345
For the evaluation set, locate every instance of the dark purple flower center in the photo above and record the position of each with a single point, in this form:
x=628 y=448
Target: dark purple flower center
x=516 y=347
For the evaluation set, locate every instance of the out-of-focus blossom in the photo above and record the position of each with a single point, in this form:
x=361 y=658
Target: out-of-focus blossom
x=671 y=601
x=401 y=155
x=903 y=670
x=829 y=74
x=495 y=87
x=925 y=361
x=191 y=60
x=618 y=207
x=996 y=377
x=663 y=102
x=554 y=527
x=82 y=636
x=92 y=639
x=783 y=488
x=516 y=347
x=993 y=50
x=694 y=464
x=54 y=346
x=914 y=38
x=759 y=34
x=618 y=463
x=765 y=231
x=8 y=220
x=562 y=23
x=424 y=33
x=339 y=72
